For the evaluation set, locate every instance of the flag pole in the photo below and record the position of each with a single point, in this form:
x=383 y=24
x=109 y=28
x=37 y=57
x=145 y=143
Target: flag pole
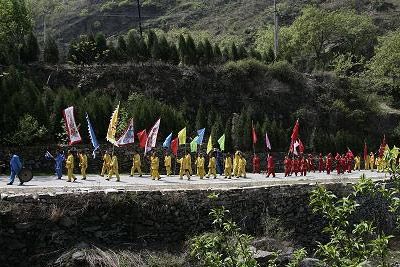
x=252 y=137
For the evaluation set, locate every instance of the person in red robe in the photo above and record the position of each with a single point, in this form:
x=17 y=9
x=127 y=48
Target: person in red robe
x=256 y=164
x=295 y=166
x=303 y=166
x=350 y=159
x=270 y=166
x=338 y=163
x=320 y=163
x=288 y=166
x=328 y=163
x=343 y=164
x=310 y=163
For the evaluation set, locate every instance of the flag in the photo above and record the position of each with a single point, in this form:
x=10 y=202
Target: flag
x=365 y=151
x=301 y=147
x=48 y=155
x=174 y=146
x=295 y=133
x=72 y=129
x=112 y=127
x=92 y=136
x=128 y=137
x=200 y=134
x=221 y=142
x=142 y=136
x=193 y=144
x=152 y=137
x=254 y=135
x=295 y=145
x=267 y=143
x=167 y=142
x=182 y=136
x=209 y=145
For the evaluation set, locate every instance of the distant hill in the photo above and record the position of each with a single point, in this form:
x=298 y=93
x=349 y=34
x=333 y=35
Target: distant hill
x=223 y=20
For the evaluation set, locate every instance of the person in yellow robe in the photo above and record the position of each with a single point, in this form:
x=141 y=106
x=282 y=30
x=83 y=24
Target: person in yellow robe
x=114 y=168
x=188 y=163
x=366 y=163
x=357 y=163
x=236 y=158
x=154 y=167
x=69 y=164
x=212 y=166
x=228 y=166
x=168 y=163
x=136 y=164
x=106 y=164
x=83 y=163
x=242 y=166
x=371 y=161
x=200 y=162
x=378 y=164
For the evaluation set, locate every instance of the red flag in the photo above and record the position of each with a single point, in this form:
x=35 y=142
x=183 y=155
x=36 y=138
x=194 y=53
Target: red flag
x=254 y=136
x=142 y=136
x=295 y=133
x=382 y=148
x=174 y=146
x=365 y=151
x=301 y=147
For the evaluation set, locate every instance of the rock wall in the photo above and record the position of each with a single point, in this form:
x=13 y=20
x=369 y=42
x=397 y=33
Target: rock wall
x=37 y=228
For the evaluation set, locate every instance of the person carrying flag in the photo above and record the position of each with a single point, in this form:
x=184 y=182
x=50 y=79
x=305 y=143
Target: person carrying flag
x=59 y=160
x=69 y=164
x=256 y=164
x=200 y=162
x=188 y=164
x=83 y=163
x=114 y=168
x=212 y=166
x=106 y=164
x=270 y=166
x=15 y=167
x=242 y=166
x=136 y=164
x=168 y=163
x=288 y=165
x=154 y=166
x=228 y=166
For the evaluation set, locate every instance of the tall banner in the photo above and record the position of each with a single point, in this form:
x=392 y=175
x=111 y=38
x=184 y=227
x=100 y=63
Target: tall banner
x=152 y=137
x=92 y=136
x=72 y=129
x=182 y=136
x=200 y=134
x=167 y=142
x=128 y=137
x=267 y=142
x=193 y=145
x=174 y=146
x=112 y=127
x=209 y=145
x=254 y=135
x=221 y=142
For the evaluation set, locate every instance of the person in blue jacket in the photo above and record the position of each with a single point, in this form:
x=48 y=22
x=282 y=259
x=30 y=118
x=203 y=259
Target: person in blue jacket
x=59 y=159
x=15 y=166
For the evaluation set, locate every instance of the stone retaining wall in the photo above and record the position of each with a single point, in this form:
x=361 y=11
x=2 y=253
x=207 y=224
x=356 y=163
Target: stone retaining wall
x=36 y=228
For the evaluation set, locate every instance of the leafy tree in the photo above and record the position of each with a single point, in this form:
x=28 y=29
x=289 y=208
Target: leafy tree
x=264 y=43
x=83 y=51
x=208 y=52
x=173 y=54
x=28 y=131
x=102 y=50
x=132 y=47
x=165 y=50
x=144 y=53
x=122 y=49
x=155 y=50
x=242 y=52
x=386 y=62
x=234 y=52
x=217 y=129
x=228 y=135
x=30 y=49
x=217 y=53
x=182 y=48
x=191 y=53
x=51 y=54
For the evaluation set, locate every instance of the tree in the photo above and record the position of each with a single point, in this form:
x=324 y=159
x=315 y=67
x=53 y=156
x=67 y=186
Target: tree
x=208 y=52
x=132 y=47
x=165 y=50
x=102 y=50
x=30 y=49
x=28 y=131
x=51 y=54
x=242 y=52
x=217 y=53
x=15 y=23
x=144 y=53
x=217 y=129
x=83 y=51
x=264 y=43
x=182 y=48
x=234 y=52
x=228 y=135
x=155 y=50
x=174 y=54
x=386 y=62
x=201 y=120
x=121 y=49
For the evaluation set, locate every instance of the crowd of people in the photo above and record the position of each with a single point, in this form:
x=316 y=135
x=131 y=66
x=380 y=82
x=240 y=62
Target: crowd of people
x=207 y=165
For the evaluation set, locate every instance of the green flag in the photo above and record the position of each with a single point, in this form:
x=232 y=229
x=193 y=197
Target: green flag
x=193 y=144
x=221 y=142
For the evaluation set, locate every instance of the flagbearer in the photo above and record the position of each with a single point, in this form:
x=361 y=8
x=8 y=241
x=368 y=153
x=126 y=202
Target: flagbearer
x=200 y=162
x=212 y=166
x=270 y=166
x=114 y=168
x=188 y=164
x=288 y=165
x=59 y=159
x=154 y=167
x=167 y=163
x=15 y=167
x=242 y=166
x=136 y=164
x=83 y=163
x=256 y=164
x=69 y=164
x=228 y=166
x=106 y=164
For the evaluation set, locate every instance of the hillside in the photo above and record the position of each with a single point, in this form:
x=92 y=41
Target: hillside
x=224 y=21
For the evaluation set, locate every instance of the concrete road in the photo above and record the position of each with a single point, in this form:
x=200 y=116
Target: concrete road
x=47 y=184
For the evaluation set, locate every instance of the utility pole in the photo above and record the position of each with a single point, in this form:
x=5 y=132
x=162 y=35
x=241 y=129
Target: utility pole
x=276 y=31
x=140 y=19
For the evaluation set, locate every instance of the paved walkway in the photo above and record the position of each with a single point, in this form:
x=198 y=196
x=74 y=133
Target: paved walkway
x=47 y=184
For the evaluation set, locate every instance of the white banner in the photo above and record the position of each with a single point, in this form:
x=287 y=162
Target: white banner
x=72 y=129
x=152 y=137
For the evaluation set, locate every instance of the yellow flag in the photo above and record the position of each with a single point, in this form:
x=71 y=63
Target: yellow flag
x=182 y=136
x=209 y=145
x=112 y=127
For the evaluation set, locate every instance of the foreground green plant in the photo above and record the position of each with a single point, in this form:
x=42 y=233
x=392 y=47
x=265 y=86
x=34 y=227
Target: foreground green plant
x=226 y=246
x=352 y=244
